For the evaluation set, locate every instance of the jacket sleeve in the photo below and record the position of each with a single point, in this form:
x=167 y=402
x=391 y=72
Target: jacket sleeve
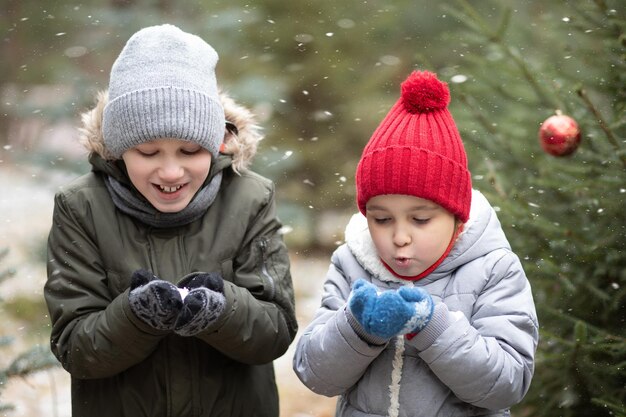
x=259 y=321
x=93 y=335
x=488 y=361
x=330 y=357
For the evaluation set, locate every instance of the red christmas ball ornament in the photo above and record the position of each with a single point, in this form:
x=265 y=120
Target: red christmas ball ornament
x=559 y=135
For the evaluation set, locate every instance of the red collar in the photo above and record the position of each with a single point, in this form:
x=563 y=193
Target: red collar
x=434 y=266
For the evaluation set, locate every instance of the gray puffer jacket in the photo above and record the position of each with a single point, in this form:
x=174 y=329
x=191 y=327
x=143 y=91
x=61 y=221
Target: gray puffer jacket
x=480 y=364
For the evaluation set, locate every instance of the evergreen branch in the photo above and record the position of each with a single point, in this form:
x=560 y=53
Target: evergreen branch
x=610 y=348
x=603 y=125
x=615 y=25
x=574 y=320
x=589 y=19
x=498 y=38
x=580 y=383
x=7 y=273
x=602 y=295
x=504 y=23
x=484 y=122
x=477 y=19
x=551 y=101
x=617 y=409
x=463 y=18
x=36 y=359
x=545 y=334
x=566 y=282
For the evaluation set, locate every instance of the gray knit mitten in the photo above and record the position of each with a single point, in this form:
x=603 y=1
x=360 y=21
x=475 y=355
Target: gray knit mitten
x=154 y=301
x=203 y=305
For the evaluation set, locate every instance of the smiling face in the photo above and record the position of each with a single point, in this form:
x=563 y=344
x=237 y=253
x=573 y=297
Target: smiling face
x=410 y=233
x=168 y=172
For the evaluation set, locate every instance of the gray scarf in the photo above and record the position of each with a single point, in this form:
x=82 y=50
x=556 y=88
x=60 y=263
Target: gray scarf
x=135 y=205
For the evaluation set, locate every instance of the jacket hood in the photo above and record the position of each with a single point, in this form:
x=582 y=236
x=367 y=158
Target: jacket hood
x=481 y=234
x=241 y=143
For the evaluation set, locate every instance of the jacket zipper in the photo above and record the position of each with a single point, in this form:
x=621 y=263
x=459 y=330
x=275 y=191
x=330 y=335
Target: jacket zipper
x=264 y=271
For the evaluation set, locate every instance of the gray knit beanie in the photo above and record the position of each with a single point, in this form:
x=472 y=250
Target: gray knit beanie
x=163 y=85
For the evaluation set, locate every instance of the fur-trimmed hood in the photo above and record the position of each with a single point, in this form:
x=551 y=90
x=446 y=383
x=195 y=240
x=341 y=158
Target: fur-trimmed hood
x=241 y=142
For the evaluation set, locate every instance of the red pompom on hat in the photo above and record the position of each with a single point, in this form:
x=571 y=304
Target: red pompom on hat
x=417 y=150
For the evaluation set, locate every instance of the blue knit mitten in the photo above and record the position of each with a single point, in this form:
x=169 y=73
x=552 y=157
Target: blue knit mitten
x=390 y=313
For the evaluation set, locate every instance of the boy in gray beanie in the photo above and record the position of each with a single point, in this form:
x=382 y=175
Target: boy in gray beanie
x=168 y=286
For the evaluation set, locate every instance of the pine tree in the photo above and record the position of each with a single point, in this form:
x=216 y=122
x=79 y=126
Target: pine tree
x=33 y=359
x=564 y=216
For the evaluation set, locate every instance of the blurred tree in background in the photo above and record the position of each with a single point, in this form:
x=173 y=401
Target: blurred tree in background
x=565 y=215
x=322 y=74
x=33 y=359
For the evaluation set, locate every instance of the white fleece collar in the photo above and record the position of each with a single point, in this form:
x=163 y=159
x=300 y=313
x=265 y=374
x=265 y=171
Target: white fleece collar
x=362 y=247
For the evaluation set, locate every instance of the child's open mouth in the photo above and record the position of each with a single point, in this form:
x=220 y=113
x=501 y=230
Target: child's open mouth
x=168 y=190
x=164 y=189
x=402 y=261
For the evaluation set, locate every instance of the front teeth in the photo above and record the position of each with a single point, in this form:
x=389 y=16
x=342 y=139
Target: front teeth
x=170 y=189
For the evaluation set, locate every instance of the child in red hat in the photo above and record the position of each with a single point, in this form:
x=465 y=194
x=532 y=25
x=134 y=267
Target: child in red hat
x=426 y=310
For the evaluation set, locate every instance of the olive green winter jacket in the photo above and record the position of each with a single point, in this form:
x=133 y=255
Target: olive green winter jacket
x=121 y=366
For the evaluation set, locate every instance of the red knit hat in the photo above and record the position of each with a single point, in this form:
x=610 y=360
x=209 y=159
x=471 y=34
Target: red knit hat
x=417 y=150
